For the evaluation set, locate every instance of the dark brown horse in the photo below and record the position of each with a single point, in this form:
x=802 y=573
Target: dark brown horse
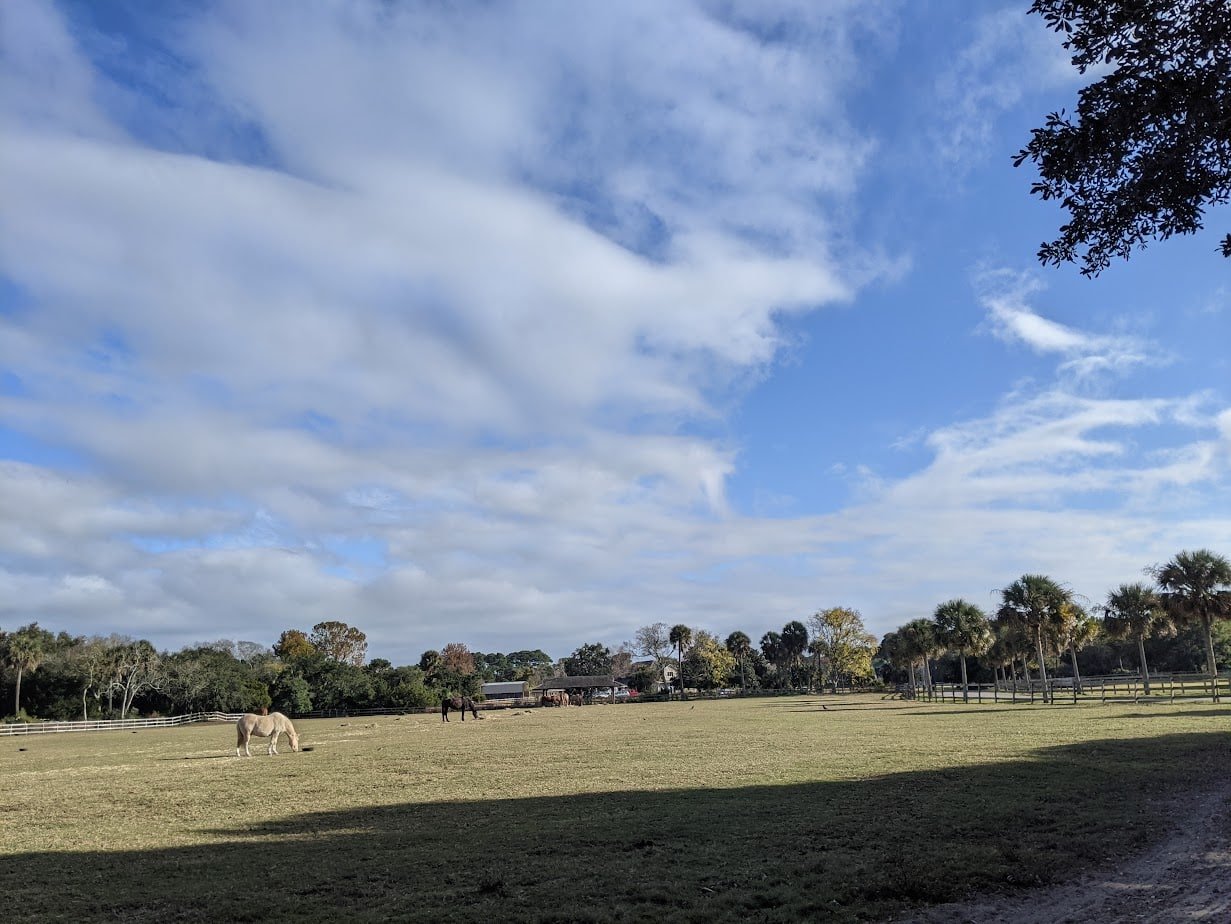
x=457 y=702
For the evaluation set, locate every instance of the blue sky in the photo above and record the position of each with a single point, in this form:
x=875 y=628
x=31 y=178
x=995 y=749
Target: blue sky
x=527 y=325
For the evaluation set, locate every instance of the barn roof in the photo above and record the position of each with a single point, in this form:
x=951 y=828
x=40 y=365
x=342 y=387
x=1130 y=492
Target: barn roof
x=512 y=686
x=579 y=683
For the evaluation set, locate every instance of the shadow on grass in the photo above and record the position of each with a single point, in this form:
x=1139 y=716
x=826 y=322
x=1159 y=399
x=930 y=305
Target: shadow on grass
x=1215 y=712
x=852 y=850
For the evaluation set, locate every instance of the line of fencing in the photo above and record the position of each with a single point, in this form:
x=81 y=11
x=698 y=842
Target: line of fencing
x=1112 y=687
x=48 y=728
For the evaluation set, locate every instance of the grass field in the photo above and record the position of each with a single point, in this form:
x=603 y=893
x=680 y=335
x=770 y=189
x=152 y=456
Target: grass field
x=759 y=809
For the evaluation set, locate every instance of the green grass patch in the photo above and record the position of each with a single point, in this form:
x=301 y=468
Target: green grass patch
x=761 y=809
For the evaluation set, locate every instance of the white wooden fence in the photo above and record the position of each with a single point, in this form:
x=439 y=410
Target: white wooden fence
x=47 y=728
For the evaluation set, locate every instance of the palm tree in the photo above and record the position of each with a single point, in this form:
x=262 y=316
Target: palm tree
x=1197 y=589
x=794 y=644
x=1136 y=611
x=1036 y=602
x=1077 y=629
x=740 y=646
x=895 y=650
x=963 y=627
x=680 y=636
x=24 y=652
x=918 y=638
x=771 y=648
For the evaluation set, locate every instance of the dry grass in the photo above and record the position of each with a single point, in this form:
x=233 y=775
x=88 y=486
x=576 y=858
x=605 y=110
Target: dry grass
x=762 y=809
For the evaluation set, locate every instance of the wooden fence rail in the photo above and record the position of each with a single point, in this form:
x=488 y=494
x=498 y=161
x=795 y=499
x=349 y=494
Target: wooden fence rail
x=48 y=728
x=1127 y=687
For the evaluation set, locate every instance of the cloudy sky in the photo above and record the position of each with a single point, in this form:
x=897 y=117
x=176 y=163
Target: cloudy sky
x=527 y=324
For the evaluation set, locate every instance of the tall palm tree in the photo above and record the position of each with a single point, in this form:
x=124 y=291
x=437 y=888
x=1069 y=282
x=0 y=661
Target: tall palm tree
x=771 y=648
x=919 y=640
x=24 y=652
x=794 y=644
x=895 y=650
x=740 y=646
x=1076 y=630
x=1035 y=602
x=1197 y=589
x=964 y=628
x=680 y=636
x=1136 y=611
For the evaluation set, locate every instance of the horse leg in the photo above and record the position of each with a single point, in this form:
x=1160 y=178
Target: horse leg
x=273 y=743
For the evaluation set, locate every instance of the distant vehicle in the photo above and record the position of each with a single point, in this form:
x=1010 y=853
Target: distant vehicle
x=606 y=694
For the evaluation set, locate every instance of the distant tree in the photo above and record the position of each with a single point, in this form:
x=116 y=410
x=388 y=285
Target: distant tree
x=456 y=657
x=774 y=654
x=340 y=642
x=1037 y=604
x=918 y=641
x=740 y=646
x=528 y=665
x=841 y=642
x=135 y=667
x=1149 y=146
x=794 y=642
x=709 y=664
x=251 y=651
x=408 y=690
x=644 y=679
x=897 y=651
x=588 y=661
x=1076 y=629
x=680 y=636
x=89 y=660
x=492 y=666
x=290 y=694
x=293 y=645
x=654 y=641
x=208 y=679
x=24 y=651
x=622 y=660
x=340 y=685
x=429 y=662
x=1196 y=589
x=964 y=628
x=1135 y=611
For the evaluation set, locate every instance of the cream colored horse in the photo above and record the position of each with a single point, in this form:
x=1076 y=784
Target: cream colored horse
x=264 y=726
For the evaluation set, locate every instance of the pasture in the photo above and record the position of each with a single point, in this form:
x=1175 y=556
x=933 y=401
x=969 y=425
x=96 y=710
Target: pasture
x=761 y=809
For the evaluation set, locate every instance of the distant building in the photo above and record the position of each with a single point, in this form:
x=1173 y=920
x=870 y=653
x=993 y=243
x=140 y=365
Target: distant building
x=669 y=673
x=496 y=692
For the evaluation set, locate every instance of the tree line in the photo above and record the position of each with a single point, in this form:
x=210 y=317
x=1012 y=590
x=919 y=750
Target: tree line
x=60 y=676
x=1179 y=622
x=1176 y=622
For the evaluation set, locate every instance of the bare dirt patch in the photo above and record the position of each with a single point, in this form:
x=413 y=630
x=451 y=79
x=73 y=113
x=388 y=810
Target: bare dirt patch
x=1185 y=878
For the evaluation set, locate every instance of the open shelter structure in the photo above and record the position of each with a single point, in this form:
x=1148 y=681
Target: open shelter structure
x=590 y=686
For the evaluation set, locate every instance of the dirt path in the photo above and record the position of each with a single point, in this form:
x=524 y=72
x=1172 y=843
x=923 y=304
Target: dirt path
x=1185 y=878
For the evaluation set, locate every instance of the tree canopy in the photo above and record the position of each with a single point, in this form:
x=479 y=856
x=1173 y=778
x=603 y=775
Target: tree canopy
x=588 y=661
x=1149 y=145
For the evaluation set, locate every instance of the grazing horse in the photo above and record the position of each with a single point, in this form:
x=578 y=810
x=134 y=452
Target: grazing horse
x=264 y=726
x=457 y=702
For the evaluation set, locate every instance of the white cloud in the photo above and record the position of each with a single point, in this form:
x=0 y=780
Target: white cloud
x=1008 y=56
x=447 y=359
x=1005 y=295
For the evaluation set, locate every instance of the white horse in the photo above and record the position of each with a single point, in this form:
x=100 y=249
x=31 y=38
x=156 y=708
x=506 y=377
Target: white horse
x=264 y=726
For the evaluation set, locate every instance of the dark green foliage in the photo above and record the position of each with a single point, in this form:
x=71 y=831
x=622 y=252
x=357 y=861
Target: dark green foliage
x=290 y=694
x=588 y=661
x=1149 y=145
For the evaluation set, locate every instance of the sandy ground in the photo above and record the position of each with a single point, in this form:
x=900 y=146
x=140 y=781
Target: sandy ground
x=1185 y=878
